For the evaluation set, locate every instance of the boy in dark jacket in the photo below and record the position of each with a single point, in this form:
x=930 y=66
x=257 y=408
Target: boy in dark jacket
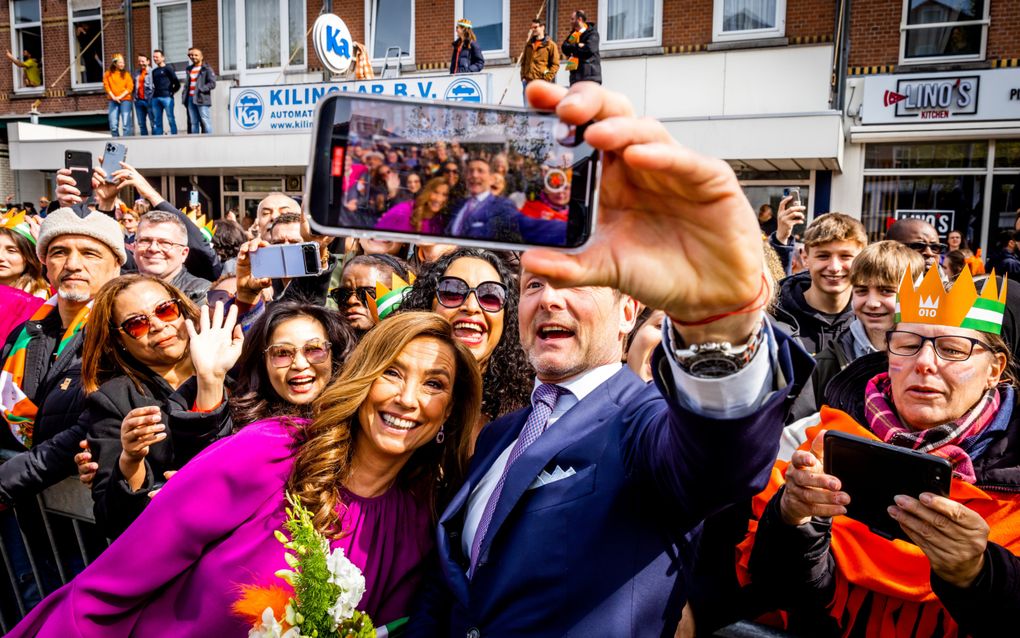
x=582 y=50
x=818 y=300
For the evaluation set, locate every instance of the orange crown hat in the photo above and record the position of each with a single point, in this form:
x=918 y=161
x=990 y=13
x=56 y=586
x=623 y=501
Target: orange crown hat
x=464 y=22
x=18 y=223
x=961 y=307
x=208 y=228
x=388 y=298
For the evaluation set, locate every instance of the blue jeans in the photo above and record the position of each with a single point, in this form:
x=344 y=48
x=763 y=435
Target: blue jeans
x=201 y=118
x=143 y=114
x=121 y=115
x=159 y=105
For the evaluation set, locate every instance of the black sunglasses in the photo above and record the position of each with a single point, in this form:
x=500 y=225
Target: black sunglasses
x=920 y=246
x=453 y=292
x=341 y=295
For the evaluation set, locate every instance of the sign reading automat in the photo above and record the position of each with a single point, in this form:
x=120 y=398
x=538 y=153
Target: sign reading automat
x=291 y=107
x=940 y=97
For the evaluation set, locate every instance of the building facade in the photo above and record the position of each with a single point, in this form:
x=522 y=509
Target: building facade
x=756 y=82
x=932 y=115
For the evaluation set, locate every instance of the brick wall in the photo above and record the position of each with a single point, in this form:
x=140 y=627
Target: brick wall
x=1004 y=30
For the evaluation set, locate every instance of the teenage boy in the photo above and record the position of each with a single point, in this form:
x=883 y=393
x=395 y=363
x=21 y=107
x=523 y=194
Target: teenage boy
x=817 y=301
x=874 y=279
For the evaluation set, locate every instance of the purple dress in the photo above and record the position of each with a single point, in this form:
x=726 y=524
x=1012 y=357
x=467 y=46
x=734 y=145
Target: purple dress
x=176 y=569
x=399 y=218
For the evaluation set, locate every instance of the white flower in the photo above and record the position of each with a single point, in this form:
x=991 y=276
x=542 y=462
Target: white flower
x=269 y=628
x=345 y=575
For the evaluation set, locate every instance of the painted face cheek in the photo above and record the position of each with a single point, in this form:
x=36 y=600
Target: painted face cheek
x=896 y=365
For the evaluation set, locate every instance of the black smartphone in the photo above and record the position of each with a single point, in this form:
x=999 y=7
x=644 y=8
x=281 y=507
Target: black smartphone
x=872 y=473
x=286 y=260
x=496 y=177
x=113 y=155
x=798 y=229
x=80 y=164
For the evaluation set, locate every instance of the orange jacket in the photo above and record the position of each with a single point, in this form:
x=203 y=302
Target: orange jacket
x=895 y=573
x=117 y=84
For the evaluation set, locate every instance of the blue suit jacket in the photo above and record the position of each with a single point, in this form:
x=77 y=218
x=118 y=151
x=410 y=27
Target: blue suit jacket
x=599 y=553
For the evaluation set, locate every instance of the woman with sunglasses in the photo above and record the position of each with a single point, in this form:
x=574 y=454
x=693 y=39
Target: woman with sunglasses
x=950 y=392
x=289 y=356
x=477 y=293
x=387 y=442
x=154 y=370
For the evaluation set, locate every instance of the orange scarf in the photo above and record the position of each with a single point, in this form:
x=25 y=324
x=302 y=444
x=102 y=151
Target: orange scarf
x=894 y=573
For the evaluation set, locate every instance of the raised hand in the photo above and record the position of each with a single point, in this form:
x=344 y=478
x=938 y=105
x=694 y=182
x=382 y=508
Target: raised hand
x=809 y=491
x=951 y=535
x=129 y=176
x=140 y=429
x=787 y=218
x=215 y=347
x=86 y=467
x=675 y=230
x=250 y=288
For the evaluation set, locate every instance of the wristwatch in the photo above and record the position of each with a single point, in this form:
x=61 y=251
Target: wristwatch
x=716 y=359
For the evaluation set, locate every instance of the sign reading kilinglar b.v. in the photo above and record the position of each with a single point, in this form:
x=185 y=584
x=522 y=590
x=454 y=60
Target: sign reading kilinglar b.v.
x=291 y=107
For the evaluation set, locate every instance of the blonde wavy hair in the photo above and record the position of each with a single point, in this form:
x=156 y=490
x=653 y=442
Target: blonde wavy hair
x=324 y=459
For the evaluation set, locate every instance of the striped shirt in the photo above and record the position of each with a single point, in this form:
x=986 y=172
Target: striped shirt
x=194 y=79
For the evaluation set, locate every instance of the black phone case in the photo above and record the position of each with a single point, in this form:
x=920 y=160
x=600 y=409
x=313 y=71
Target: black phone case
x=82 y=178
x=873 y=473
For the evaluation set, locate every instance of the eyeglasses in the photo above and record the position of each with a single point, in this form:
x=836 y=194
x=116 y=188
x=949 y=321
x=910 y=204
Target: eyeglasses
x=453 y=292
x=451 y=170
x=161 y=244
x=281 y=355
x=137 y=326
x=904 y=343
x=341 y=295
x=920 y=246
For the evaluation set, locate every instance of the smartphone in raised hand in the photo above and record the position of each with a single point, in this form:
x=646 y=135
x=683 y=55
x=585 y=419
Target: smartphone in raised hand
x=496 y=177
x=281 y=261
x=113 y=154
x=80 y=165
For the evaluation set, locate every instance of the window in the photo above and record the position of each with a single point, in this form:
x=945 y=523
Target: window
x=26 y=44
x=86 y=34
x=390 y=24
x=946 y=29
x=488 y=19
x=748 y=19
x=171 y=31
x=262 y=35
x=630 y=23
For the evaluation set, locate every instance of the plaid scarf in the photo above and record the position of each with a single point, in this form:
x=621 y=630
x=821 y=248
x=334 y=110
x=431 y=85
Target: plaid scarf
x=19 y=411
x=952 y=441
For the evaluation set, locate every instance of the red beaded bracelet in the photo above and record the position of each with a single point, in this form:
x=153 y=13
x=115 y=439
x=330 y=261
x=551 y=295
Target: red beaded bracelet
x=750 y=306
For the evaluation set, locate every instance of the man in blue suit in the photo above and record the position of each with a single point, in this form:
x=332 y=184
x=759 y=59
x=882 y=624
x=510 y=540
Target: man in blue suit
x=572 y=517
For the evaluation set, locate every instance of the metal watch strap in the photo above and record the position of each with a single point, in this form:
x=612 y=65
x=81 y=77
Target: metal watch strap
x=716 y=359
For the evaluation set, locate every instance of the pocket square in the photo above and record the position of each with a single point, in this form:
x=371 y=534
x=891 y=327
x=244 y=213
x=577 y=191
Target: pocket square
x=545 y=478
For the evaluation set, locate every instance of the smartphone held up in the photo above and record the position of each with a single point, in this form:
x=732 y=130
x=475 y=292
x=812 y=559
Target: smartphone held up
x=432 y=172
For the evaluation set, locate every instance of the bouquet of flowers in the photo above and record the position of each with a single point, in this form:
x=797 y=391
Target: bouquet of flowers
x=324 y=587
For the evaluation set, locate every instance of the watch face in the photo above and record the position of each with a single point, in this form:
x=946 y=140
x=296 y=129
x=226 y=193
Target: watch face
x=713 y=367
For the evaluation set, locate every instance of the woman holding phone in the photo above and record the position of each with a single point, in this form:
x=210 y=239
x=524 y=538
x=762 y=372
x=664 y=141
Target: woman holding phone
x=949 y=391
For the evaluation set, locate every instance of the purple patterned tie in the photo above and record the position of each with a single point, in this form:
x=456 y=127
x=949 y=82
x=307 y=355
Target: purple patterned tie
x=544 y=400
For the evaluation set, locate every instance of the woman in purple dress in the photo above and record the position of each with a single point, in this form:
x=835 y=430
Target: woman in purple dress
x=426 y=214
x=387 y=435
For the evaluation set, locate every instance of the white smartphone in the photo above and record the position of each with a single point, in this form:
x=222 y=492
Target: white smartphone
x=286 y=260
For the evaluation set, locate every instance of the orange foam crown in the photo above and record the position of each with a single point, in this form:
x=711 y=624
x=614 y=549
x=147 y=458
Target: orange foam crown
x=960 y=307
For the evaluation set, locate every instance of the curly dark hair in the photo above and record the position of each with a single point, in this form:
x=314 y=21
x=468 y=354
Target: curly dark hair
x=508 y=378
x=254 y=398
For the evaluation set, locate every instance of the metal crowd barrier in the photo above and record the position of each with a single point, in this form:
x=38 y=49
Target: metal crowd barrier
x=54 y=532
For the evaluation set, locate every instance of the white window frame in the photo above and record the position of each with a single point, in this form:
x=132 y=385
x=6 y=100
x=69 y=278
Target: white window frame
x=904 y=28
x=241 y=55
x=154 y=23
x=72 y=43
x=718 y=35
x=16 y=50
x=605 y=44
x=504 y=51
x=370 y=34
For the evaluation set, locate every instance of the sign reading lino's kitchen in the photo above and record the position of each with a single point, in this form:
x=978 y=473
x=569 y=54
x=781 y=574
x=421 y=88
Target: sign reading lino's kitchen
x=970 y=96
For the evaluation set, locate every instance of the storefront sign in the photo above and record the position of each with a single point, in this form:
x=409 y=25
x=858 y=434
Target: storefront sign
x=941 y=220
x=290 y=108
x=941 y=97
x=333 y=43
